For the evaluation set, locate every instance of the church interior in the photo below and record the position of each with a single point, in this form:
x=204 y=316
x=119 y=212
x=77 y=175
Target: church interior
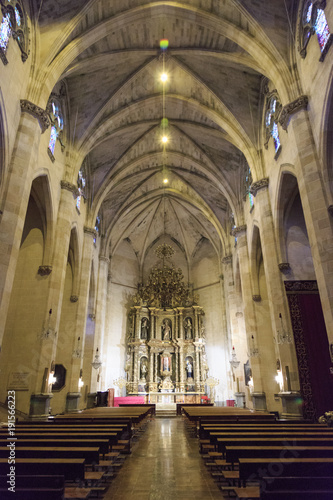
x=166 y=207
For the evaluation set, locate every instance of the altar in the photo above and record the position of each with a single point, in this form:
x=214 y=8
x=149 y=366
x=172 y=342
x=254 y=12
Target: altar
x=166 y=345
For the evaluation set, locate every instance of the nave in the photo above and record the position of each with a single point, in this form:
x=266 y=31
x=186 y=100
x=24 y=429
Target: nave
x=165 y=464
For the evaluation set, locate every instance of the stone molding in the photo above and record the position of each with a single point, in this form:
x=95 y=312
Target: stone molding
x=284 y=267
x=239 y=315
x=91 y=231
x=92 y=317
x=261 y=184
x=51 y=156
x=44 y=270
x=109 y=277
x=70 y=187
x=289 y=109
x=301 y=286
x=74 y=298
x=36 y=112
x=239 y=230
x=227 y=259
x=256 y=298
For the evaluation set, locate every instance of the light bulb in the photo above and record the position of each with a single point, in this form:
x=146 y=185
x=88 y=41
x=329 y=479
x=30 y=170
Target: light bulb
x=165 y=181
x=164 y=139
x=164 y=77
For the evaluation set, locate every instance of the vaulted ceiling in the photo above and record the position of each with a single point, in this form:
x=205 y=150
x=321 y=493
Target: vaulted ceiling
x=107 y=53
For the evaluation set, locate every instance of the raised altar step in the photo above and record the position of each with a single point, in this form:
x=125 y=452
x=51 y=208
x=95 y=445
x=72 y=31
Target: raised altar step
x=166 y=410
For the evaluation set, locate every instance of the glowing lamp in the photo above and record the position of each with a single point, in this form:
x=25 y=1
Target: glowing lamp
x=164 y=139
x=164 y=77
x=164 y=43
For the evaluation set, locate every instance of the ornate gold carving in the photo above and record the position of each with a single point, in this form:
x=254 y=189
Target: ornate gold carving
x=261 y=184
x=44 y=270
x=36 y=112
x=237 y=231
x=289 y=109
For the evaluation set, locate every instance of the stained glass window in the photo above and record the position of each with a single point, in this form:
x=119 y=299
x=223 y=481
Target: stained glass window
x=18 y=17
x=251 y=200
x=53 y=139
x=78 y=201
x=309 y=13
x=271 y=123
x=322 y=29
x=5 y=31
x=81 y=183
x=97 y=226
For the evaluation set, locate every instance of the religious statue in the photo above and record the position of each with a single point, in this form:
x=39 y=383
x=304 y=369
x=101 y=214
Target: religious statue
x=144 y=328
x=189 y=369
x=166 y=329
x=143 y=370
x=188 y=328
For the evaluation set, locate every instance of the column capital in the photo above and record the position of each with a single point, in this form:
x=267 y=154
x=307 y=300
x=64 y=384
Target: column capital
x=90 y=230
x=227 y=259
x=261 y=184
x=68 y=186
x=44 y=270
x=237 y=231
x=256 y=298
x=292 y=107
x=284 y=267
x=39 y=113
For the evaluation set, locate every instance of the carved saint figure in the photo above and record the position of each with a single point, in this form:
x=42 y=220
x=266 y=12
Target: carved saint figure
x=144 y=328
x=166 y=329
x=143 y=370
x=189 y=369
x=188 y=328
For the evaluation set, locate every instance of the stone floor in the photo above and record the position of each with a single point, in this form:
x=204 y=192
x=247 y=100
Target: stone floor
x=165 y=464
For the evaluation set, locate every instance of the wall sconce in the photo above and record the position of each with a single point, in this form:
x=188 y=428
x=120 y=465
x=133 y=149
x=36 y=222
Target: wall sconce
x=97 y=363
x=81 y=383
x=234 y=361
x=279 y=380
x=47 y=332
x=282 y=336
x=77 y=351
x=253 y=351
x=52 y=379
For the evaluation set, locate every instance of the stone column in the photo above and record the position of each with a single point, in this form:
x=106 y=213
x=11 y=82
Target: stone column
x=151 y=370
x=176 y=334
x=136 y=370
x=177 y=366
x=313 y=196
x=81 y=318
x=33 y=122
x=156 y=365
x=181 y=365
x=100 y=315
x=275 y=287
x=249 y=312
x=48 y=345
x=152 y=323
x=197 y=367
x=137 y=322
x=181 y=329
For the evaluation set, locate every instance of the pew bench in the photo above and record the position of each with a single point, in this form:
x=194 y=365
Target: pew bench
x=34 y=487
x=70 y=468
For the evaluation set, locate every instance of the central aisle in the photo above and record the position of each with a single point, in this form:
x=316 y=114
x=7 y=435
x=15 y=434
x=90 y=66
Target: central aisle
x=165 y=464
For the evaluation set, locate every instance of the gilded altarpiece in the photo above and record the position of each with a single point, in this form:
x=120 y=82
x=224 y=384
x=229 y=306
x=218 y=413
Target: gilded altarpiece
x=166 y=337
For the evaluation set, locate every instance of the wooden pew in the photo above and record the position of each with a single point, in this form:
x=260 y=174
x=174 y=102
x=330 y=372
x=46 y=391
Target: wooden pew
x=33 y=487
x=102 y=444
x=112 y=437
x=90 y=455
x=234 y=453
x=252 y=469
x=319 y=487
x=71 y=468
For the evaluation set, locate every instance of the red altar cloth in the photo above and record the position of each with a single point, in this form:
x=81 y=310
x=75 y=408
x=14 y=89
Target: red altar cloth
x=130 y=400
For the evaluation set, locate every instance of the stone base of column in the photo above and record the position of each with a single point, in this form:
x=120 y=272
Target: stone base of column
x=240 y=399
x=291 y=404
x=72 y=401
x=259 y=401
x=40 y=405
x=91 y=399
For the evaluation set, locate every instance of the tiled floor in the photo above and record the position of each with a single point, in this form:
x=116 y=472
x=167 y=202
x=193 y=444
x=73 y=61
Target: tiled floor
x=165 y=464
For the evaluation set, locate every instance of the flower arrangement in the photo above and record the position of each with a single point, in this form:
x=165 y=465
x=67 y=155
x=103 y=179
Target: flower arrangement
x=327 y=418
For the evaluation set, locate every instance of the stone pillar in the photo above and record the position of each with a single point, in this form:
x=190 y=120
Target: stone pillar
x=33 y=121
x=318 y=221
x=48 y=345
x=156 y=365
x=137 y=322
x=176 y=333
x=196 y=322
x=275 y=287
x=181 y=329
x=249 y=312
x=177 y=366
x=197 y=367
x=136 y=369
x=152 y=334
x=181 y=365
x=100 y=315
x=81 y=317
